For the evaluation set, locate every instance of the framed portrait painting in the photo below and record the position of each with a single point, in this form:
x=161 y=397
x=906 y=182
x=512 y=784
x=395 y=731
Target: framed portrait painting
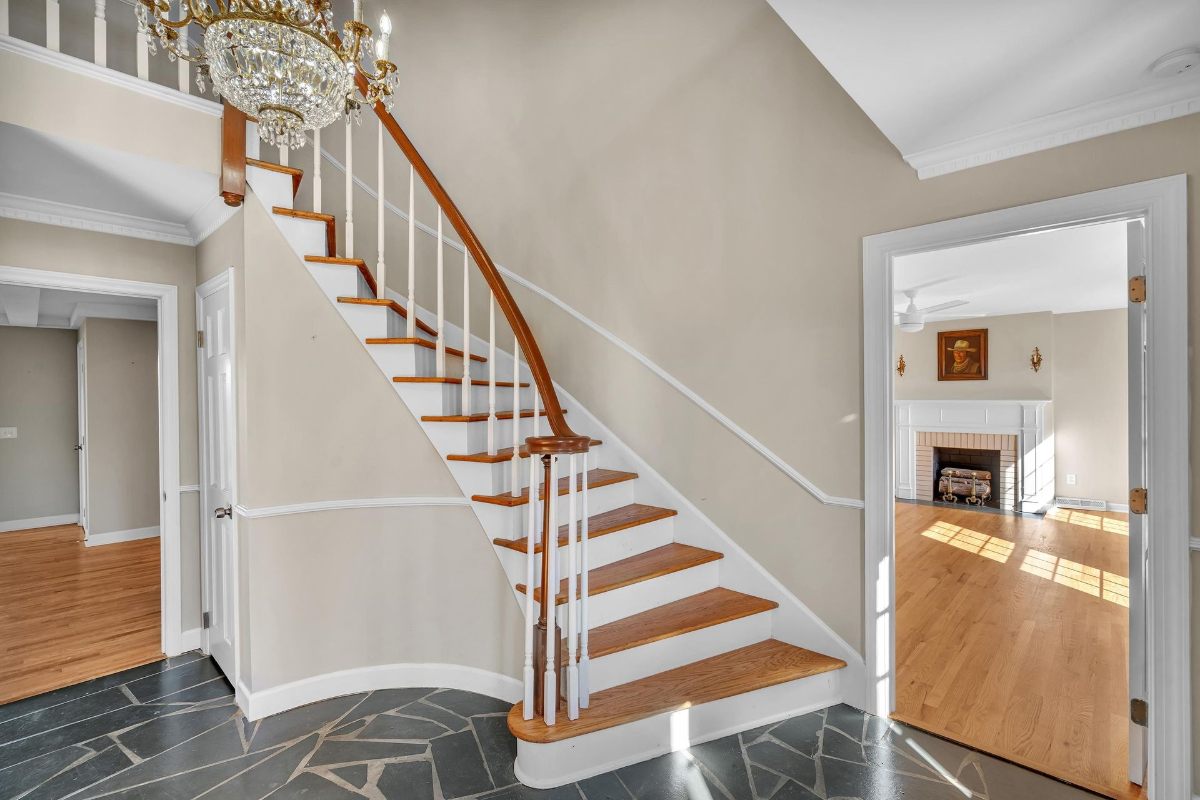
x=962 y=355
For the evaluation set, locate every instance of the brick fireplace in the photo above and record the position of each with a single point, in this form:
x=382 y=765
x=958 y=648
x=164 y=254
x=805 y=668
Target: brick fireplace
x=994 y=452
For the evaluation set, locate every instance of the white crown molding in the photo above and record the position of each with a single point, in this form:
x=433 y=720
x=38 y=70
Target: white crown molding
x=1159 y=103
x=49 y=212
x=211 y=216
x=143 y=313
x=36 y=52
x=335 y=505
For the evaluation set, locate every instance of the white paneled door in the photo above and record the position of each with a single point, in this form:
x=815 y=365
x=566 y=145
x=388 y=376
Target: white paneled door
x=215 y=351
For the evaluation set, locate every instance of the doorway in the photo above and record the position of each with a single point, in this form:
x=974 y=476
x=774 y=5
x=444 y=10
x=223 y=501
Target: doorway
x=1160 y=206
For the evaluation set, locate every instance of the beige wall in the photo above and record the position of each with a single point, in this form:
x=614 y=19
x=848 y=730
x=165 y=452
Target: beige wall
x=121 y=358
x=39 y=470
x=686 y=174
x=1091 y=405
x=1011 y=339
x=348 y=588
x=35 y=246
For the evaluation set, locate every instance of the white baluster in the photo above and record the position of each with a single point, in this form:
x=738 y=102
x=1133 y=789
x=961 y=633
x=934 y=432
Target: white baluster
x=530 y=606
x=572 y=602
x=412 y=252
x=4 y=17
x=441 y=303
x=349 y=189
x=516 y=454
x=537 y=419
x=583 y=593
x=143 y=56
x=283 y=155
x=492 y=375
x=466 y=347
x=381 y=265
x=99 y=32
x=183 y=67
x=52 y=25
x=316 y=183
x=549 y=538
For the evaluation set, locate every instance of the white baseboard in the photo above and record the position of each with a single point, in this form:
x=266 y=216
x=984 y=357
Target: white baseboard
x=191 y=640
x=1122 y=507
x=38 y=522
x=94 y=539
x=265 y=702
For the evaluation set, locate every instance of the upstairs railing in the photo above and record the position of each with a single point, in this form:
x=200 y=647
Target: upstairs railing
x=560 y=447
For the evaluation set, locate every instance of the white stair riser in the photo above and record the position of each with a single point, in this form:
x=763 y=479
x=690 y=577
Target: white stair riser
x=471 y=437
x=273 y=188
x=412 y=360
x=601 y=549
x=443 y=399
x=638 y=597
x=482 y=478
x=511 y=522
x=306 y=236
x=544 y=766
x=337 y=280
x=677 y=651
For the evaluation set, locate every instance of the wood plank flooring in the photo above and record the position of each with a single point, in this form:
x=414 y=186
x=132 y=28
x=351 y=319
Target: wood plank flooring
x=69 y=613
x=1011 y=636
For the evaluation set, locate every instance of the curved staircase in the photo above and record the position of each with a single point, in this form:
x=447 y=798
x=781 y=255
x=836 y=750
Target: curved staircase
x=675 y=657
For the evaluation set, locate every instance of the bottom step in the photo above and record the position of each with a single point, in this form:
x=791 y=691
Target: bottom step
x=672 y=710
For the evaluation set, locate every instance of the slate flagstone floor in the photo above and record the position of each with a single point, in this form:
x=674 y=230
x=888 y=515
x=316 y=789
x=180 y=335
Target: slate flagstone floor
x=171 y=731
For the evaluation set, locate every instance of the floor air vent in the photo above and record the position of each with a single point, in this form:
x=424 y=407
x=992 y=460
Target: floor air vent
x=1080 y=502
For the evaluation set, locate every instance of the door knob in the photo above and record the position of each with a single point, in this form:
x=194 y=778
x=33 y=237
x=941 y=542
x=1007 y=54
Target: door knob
x=221 y=513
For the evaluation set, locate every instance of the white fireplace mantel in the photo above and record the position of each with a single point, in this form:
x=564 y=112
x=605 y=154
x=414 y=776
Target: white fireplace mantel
x=1031 y=421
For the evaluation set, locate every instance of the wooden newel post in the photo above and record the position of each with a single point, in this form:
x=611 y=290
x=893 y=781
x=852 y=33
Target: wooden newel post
x=233 y=156
x=546 y=617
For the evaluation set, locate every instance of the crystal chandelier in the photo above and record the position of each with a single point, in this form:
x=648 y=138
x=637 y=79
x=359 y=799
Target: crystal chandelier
x=280 y=61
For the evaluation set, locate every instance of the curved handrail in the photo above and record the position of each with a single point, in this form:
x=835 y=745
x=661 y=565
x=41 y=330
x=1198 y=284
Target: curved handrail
x=495 y=281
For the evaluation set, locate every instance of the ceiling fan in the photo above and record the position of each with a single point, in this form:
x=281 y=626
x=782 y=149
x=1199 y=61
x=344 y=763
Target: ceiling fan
x=912 y=319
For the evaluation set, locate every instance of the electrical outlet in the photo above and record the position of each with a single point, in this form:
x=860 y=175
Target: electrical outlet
x=8 y=433
x=1070 y=480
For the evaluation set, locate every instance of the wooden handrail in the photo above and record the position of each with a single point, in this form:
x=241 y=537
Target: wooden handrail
x=233 y=155
x=504 y=299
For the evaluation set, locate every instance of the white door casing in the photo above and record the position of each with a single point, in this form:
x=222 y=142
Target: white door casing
x=1136 y=255
x=81 y=444
x=215 y=365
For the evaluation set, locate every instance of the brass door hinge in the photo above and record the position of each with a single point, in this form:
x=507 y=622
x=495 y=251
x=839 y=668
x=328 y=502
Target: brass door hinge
x=1137 y=289
x=1139 y=712
x=1137 y=501
x=199 y=338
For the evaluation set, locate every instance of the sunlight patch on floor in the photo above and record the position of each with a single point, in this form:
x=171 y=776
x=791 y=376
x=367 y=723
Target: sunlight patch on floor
x=1072 y=574
x=992 y=547
x=1086 y=520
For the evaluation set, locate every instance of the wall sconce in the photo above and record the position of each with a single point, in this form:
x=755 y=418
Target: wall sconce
x=1035 y=360
x=901 y=366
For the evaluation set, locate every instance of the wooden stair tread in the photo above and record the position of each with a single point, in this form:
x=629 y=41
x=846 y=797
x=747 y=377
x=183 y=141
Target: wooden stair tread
x=502 y=454
x=618 y=519
x=394 y=306
x=704 y=610
x=739 y=671
x=296 y=173
x=363 y=269
x=595 y=479
x=474 y=382
x=328 y=219
x=423 y=343
x=525 y=414
x=635 y=569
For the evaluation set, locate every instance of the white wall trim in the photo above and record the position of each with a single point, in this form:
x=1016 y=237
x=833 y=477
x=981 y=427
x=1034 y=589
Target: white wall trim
x=170 y=557
x=209 y=217
x=708 y=408
x=20 y=47
x=38 y=522
x=334 y=505
x=112 y=537
x=83 y=311
x=191 y=487
x=1162 y=204
x=65 y=215
x=191 y=639
x=1158 y=103
x=1194 y=543
x=265 y=702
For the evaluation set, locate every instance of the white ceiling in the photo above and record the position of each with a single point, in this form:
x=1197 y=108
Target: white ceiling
x=934 y=72
x=127 y=190
x=1077 y=269
x=62 y=308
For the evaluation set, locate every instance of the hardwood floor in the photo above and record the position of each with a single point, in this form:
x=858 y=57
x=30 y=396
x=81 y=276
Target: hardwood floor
x=1011 y=636
x=69 y=613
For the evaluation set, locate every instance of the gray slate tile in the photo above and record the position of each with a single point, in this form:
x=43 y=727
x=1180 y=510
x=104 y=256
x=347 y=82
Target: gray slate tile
x=23 y=777
x=499 y=747
x=408 y=781
x=164 y=733
x=669 y=777
x=468 y=704
x=838 y=745
x=189 y=785
x=779 y=759
x=765 y=783
x=383 y=700
x=844 y=779
x=173 y=680
x=723 y=758
x=311 y=786
x=846 y=719
x=266 y=776
x=356 y=775
x=291 y=725
x=460 y=768
x=386 y=726
x=794 y=791
x=436 y=713
x=216 y=688
x=334 y=752
x=57 y=716
x=82 y=731
x=801 y=733
x=604 y=787
x=519 y=792
x=96 y=768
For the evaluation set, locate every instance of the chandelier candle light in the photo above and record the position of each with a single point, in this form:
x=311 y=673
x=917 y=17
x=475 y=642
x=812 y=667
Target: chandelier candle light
x=280 y=61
